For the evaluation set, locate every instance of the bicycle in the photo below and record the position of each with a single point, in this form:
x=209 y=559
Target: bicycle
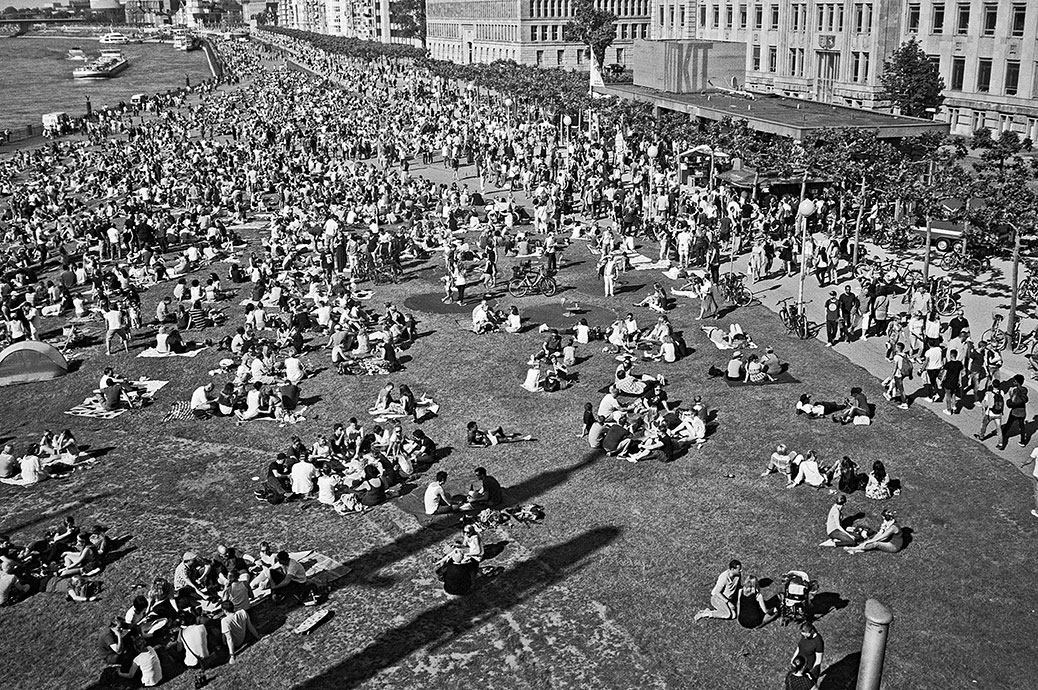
x=793 y=318
x=944 y=301
x=972 y=263
x=734 y=290
x=995 y=337
x=532 y=283
x=1021 y=343
x=1028 y=289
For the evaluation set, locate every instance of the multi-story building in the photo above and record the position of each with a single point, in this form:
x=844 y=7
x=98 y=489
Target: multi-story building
x=527 y=31
x=354 y=18
x=987 y=50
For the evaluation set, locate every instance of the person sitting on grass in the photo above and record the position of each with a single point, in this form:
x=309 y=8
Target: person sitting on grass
x=146 y=662
x=457 y=571
x=668 y=351
x=734 y=370
x=752 y=611
x=656 y=300
x=781 y=461
x=488 y=495
x=856 y=405
x=755 y=372
x=287 y=578
x=202 y=401
x=838 y=536
x=234 y=626
x=484 y=318
x=82 y=559
x=478 y=438
x=691 y=428
x=256 y=405
x=878 y=486
x=808 y=407
x=809 y=472
x=437 y=500
x=724 y=595
x=12 y=589
x=888 y=538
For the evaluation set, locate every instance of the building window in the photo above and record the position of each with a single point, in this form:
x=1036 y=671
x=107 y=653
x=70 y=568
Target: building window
x=554 y=32
x=913 y=18
x=774 y=17
x=1019 y=18
x=580 y=56
x=990 y=19
x=938 y=19
x=544 y=32
x=962 y=27
x=702 y=16
x=958 y=73
x=821 y=17
x=772 y=59
x=862 y=18
x=620 y=56
x=645 y=30
x=729 y=17
x=540 y=58
x=839 y=18
x=560 y=57
x=743 y=17
x=533 y=33
x=793 y=61
x=758 y=17
x=623 y=32
x=1012 y=77
x=717 y=17
x=984 y=75
x=756 y=59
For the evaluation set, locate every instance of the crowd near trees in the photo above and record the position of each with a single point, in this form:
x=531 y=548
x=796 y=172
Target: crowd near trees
x=986 y=182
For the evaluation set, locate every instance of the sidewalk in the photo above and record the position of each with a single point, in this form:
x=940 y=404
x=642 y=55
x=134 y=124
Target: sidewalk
x=980 y=298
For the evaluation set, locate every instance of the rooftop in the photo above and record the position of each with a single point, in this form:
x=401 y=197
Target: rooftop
x=788 y=117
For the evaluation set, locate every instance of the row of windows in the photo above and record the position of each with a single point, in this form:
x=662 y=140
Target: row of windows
x=989 y=24
x=796 y=63
x=437 y=30
x=496 y=32
x=1010 y=76
x=972 y=120
x=830 y=17
x=563 y=8
x=543 y=57
x=553 y=32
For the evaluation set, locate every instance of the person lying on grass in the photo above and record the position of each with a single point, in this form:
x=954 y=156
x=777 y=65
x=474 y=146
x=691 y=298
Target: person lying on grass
x=478 y=438
x=656 y=300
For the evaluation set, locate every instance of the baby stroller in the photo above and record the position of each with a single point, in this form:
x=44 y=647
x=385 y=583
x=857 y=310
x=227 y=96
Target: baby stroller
x=797 y=589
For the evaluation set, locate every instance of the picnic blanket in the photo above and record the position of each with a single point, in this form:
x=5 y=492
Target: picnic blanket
x=320 y=569
x=423 y=407
x=414 y=504
x=93 y=409
x=179 y=411
x=153 y=353
x=717 y=335
x=640 y=262
x=783 y=377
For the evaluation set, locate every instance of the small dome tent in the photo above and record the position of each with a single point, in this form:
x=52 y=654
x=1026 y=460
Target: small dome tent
x=30 y=360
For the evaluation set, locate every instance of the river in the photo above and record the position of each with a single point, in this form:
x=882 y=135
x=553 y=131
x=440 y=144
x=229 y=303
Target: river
x=35 y=77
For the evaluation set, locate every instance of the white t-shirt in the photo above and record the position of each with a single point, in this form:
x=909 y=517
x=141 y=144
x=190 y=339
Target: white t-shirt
x=608 y=406
x=114 y=319
x=199 y=401
x=435 y=496
x=832 y=522
x=326 y=484
x=196 y=646
x=303 y=474
x=236 y=624
x=150 y=666
x=934 y=357
x=1034 y=455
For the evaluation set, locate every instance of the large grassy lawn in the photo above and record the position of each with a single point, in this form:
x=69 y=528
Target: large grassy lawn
x=602 y=594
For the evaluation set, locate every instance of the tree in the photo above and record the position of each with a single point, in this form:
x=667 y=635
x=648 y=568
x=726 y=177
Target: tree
x=409 y=15
x=592 y=27
x=911 y=81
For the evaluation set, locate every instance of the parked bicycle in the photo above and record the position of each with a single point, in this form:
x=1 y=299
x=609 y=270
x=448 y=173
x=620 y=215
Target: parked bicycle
x=995 y=337
x=380 y=273
x=733 y=289
x=1025 y=343
x=944 y=300
x=532 y=282
x=793 y=318
x=971 y=263
x=1028 y=290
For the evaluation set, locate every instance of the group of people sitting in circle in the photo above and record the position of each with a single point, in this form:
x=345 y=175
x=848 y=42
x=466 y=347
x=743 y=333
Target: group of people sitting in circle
x=350 y=471
x=800 y=468
x=54 y=455
x=65 y=560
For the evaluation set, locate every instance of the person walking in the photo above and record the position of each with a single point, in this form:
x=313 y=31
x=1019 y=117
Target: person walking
x=810 y=649
x=992 y=406
x=902 y=368
x=952 y=380
x=707 y=303
x=1016 y=401
x=724 y=595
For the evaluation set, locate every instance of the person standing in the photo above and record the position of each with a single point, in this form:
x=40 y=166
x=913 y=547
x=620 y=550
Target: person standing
x=850 y=307
x=902 y=368
x=1016 y=401
x=832 y=319
x=952 y=383
x=707 y=303
x=723 y=595
x=797 y=678
x=1034 y=478
x=810 y=649
x=933 y=364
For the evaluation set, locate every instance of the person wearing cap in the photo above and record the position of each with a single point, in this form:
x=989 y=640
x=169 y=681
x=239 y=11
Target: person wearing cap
x=734 y=370
x=189 y=575
x=832 y=319
x=770 y=361
x=888 y=538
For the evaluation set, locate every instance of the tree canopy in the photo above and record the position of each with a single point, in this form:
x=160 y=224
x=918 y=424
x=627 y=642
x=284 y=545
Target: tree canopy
x=911 y=81
x=592 y=27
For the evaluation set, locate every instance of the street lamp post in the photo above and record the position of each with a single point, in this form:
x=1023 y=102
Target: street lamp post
x=1011 y=327
x=804 y=211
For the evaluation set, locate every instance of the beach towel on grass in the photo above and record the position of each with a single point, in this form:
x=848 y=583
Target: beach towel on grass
x=784 y=377
x=152 y=353
x=94 y=410
x=717 y=336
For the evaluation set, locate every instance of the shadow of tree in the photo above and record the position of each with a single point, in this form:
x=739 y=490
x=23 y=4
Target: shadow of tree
x=843 y=675
x=445 y=623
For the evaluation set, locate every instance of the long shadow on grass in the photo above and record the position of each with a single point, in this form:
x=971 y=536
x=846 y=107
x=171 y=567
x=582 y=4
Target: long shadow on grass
x=843 y=675
x=446 y=623
x=76 y=505
x=367 y=564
